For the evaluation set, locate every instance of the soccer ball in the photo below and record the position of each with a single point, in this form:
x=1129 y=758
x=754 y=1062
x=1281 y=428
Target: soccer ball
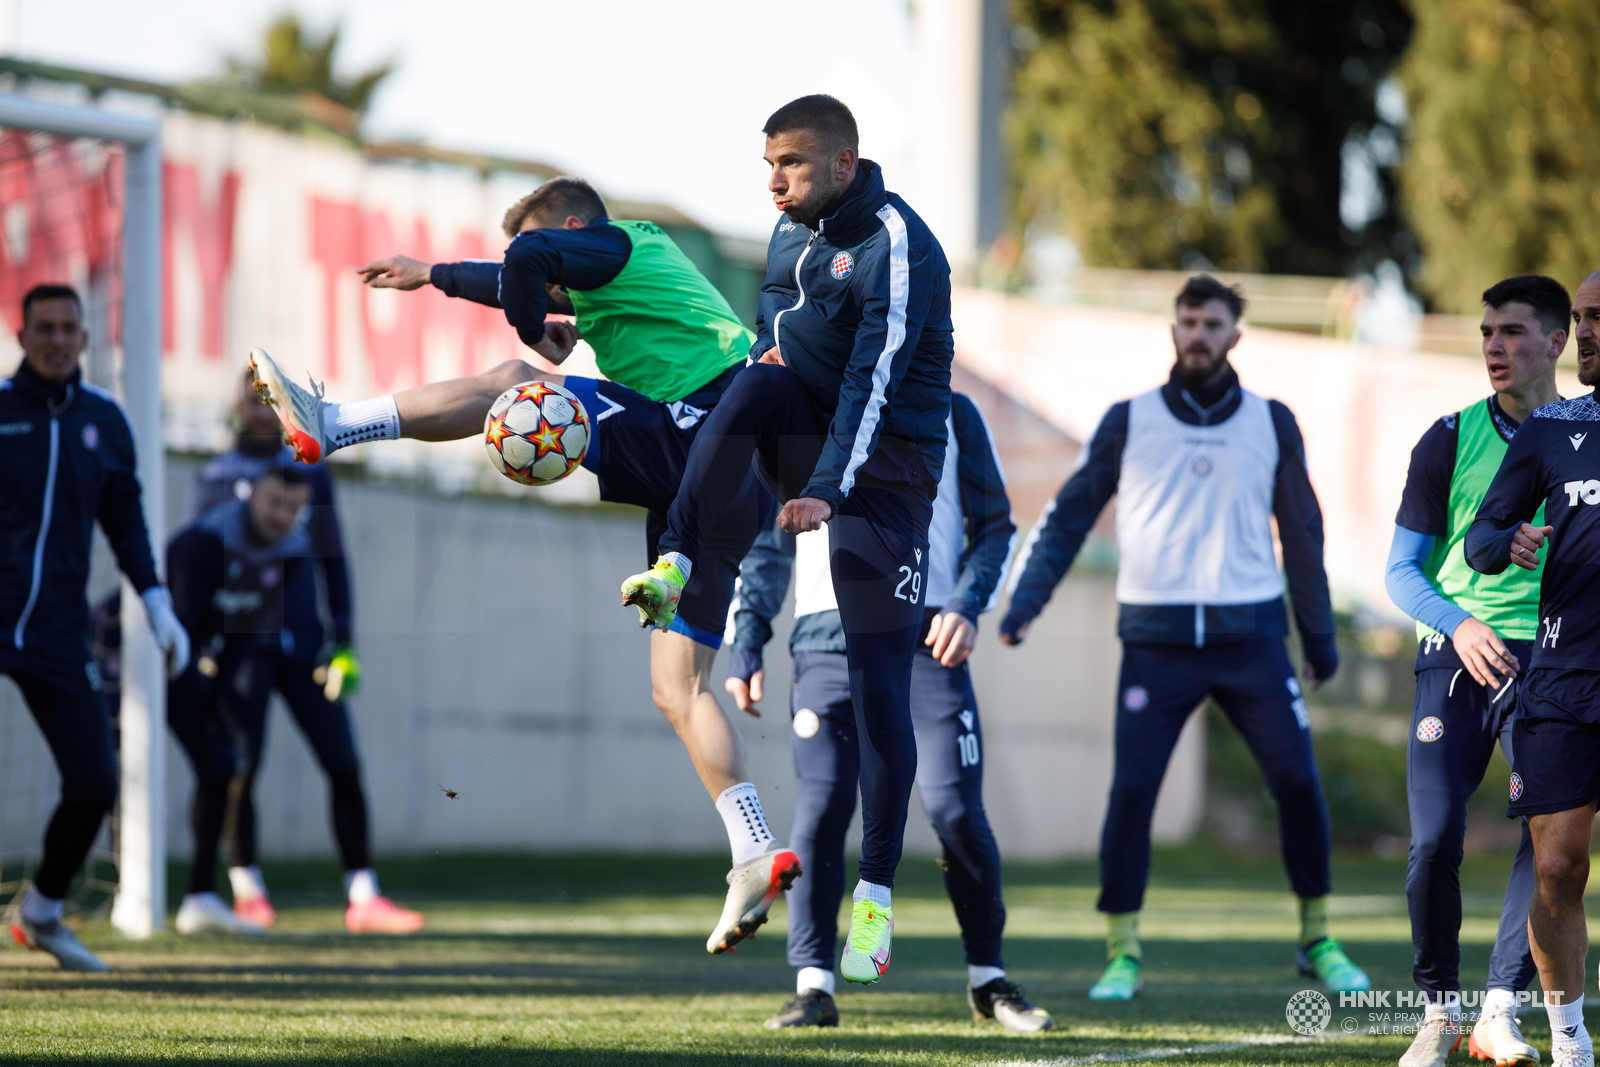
x=536 y=433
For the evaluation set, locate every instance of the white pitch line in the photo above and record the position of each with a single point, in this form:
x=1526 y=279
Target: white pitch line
x=1157 y=1053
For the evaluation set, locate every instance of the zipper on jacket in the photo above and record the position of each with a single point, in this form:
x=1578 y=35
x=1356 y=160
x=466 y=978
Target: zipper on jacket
x=798 y=304
x=44 y=531
x=1199 y=626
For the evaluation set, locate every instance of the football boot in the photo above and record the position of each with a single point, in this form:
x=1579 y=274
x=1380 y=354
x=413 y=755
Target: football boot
x=299 y=410
x=55 y=938
x=655 y=593
x=1324 y=960
x=811 y=1008
x=1003 y=1002
x=1497 y=1037
x=752 y=887
x=866 y=950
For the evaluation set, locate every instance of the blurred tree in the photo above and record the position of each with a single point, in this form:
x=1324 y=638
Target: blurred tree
x=293 y=58
x=1502 y=175
x=1187 y=133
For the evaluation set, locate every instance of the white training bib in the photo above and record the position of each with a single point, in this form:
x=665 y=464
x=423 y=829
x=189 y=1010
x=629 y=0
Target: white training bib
x=1194 y=507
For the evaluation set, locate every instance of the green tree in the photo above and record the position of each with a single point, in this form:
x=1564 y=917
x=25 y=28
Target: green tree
x=1502 y=175
x=1175 y=133
x=293 y=58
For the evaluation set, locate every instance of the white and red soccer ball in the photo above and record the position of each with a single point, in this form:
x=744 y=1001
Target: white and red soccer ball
x=536 y=433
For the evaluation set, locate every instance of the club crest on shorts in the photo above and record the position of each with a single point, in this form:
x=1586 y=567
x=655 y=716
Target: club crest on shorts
x=91 y=436
x=1430 y=729
x=806 y=723
x=1516 y=786
x=843 y=263
x=1137 y=698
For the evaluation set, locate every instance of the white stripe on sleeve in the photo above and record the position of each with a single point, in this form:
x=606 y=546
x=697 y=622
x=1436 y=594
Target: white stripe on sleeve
x=895 y=336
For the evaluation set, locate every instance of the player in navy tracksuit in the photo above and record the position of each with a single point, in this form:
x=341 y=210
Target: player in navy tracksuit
x=243 y=575
x=844 y=417
x=1554 y=462
x=66 y=462
x=970 y=540
x=1200 y=468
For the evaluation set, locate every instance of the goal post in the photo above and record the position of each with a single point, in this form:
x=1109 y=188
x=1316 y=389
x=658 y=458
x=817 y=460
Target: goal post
x=141 y=899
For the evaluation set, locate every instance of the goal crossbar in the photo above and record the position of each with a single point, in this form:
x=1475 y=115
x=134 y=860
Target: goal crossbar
x=141 y=900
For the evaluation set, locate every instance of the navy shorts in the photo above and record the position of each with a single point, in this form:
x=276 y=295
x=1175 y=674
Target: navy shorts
x=638 y=453
x=1556 y=736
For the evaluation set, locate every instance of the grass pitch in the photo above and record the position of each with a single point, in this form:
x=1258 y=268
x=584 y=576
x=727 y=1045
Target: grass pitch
x=594 y=960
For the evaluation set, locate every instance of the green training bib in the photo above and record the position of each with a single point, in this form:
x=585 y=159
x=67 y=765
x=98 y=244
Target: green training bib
x=1508 y=602
x=659 y=327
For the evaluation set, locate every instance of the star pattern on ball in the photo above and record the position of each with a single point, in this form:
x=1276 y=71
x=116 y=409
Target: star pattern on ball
x=497 y=431
x=546 y=439
x=534 y=391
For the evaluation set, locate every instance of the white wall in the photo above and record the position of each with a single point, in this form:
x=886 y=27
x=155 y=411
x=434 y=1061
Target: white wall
x=498 y=663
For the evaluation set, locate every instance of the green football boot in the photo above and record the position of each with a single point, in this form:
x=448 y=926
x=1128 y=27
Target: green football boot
x=1120 y=981
x=866 y=950
x=655 y=593
x=1325 y=961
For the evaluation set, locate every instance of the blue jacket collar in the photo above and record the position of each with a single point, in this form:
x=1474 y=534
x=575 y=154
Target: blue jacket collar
x=857 y=208
x=52 y=396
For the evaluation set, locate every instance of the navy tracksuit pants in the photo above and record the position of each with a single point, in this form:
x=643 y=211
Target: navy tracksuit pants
x=224 y=721
x=64 y=698
x=878 y=554
x=1255 y=684
x=1454 y=725
x=827 y=761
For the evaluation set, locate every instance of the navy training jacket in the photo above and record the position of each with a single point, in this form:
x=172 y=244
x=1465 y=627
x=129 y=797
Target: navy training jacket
x=66 y=461
x=1054 y=542
x=986 y=536
x=860 y=310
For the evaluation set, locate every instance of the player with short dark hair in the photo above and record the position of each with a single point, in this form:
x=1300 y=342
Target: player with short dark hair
x=843 y=417
x=67 y=461
x=1552 y=466
x=1475 y=638
x=669 y=346
x=322 y=641
x=242 y=575
x=1201 y=468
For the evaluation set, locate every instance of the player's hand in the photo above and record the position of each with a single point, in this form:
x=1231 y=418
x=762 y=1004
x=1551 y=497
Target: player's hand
x=171 y=637
x=558 y=341
x=396 y=272
x=1483 y=653
x=1525 y=545
x=747 y=695
x=804 y=514
x=772 y=355
x=952 y=637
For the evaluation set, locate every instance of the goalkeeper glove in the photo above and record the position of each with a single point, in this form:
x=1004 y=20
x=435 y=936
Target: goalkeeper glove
x=341 y=677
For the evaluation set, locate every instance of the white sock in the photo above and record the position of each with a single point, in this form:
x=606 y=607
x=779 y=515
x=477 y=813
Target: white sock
x=1499 y=1000
x=818 y=978
x=361 y=420
x=978 y=977
x=1566 y=1024
x=684 y=565
x=361 y=886
x=247 y=882
x=1446 y=1006
x=748 y=834
x=878 y=894
x=40 y=909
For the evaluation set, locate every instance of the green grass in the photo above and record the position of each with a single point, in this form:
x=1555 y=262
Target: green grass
x=595 y=960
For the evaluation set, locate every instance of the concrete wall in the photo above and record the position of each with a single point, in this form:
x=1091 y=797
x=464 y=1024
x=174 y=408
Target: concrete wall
x=498 y=663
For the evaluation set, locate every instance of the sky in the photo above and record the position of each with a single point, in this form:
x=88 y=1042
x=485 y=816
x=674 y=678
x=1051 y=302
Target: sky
x=650 y=100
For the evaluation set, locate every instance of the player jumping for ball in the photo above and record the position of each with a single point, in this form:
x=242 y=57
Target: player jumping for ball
x=671 y=346
x=844 y=419
x=1553 y=465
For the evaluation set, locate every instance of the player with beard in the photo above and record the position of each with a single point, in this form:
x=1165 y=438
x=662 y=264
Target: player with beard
x=1551 y=465
x=1200 y=469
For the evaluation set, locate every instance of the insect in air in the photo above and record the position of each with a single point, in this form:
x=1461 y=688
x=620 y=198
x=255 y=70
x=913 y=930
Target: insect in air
x=449 y=793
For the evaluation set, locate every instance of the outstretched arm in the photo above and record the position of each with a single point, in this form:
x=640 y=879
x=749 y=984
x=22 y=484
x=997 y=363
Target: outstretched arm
x=1054 y=541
